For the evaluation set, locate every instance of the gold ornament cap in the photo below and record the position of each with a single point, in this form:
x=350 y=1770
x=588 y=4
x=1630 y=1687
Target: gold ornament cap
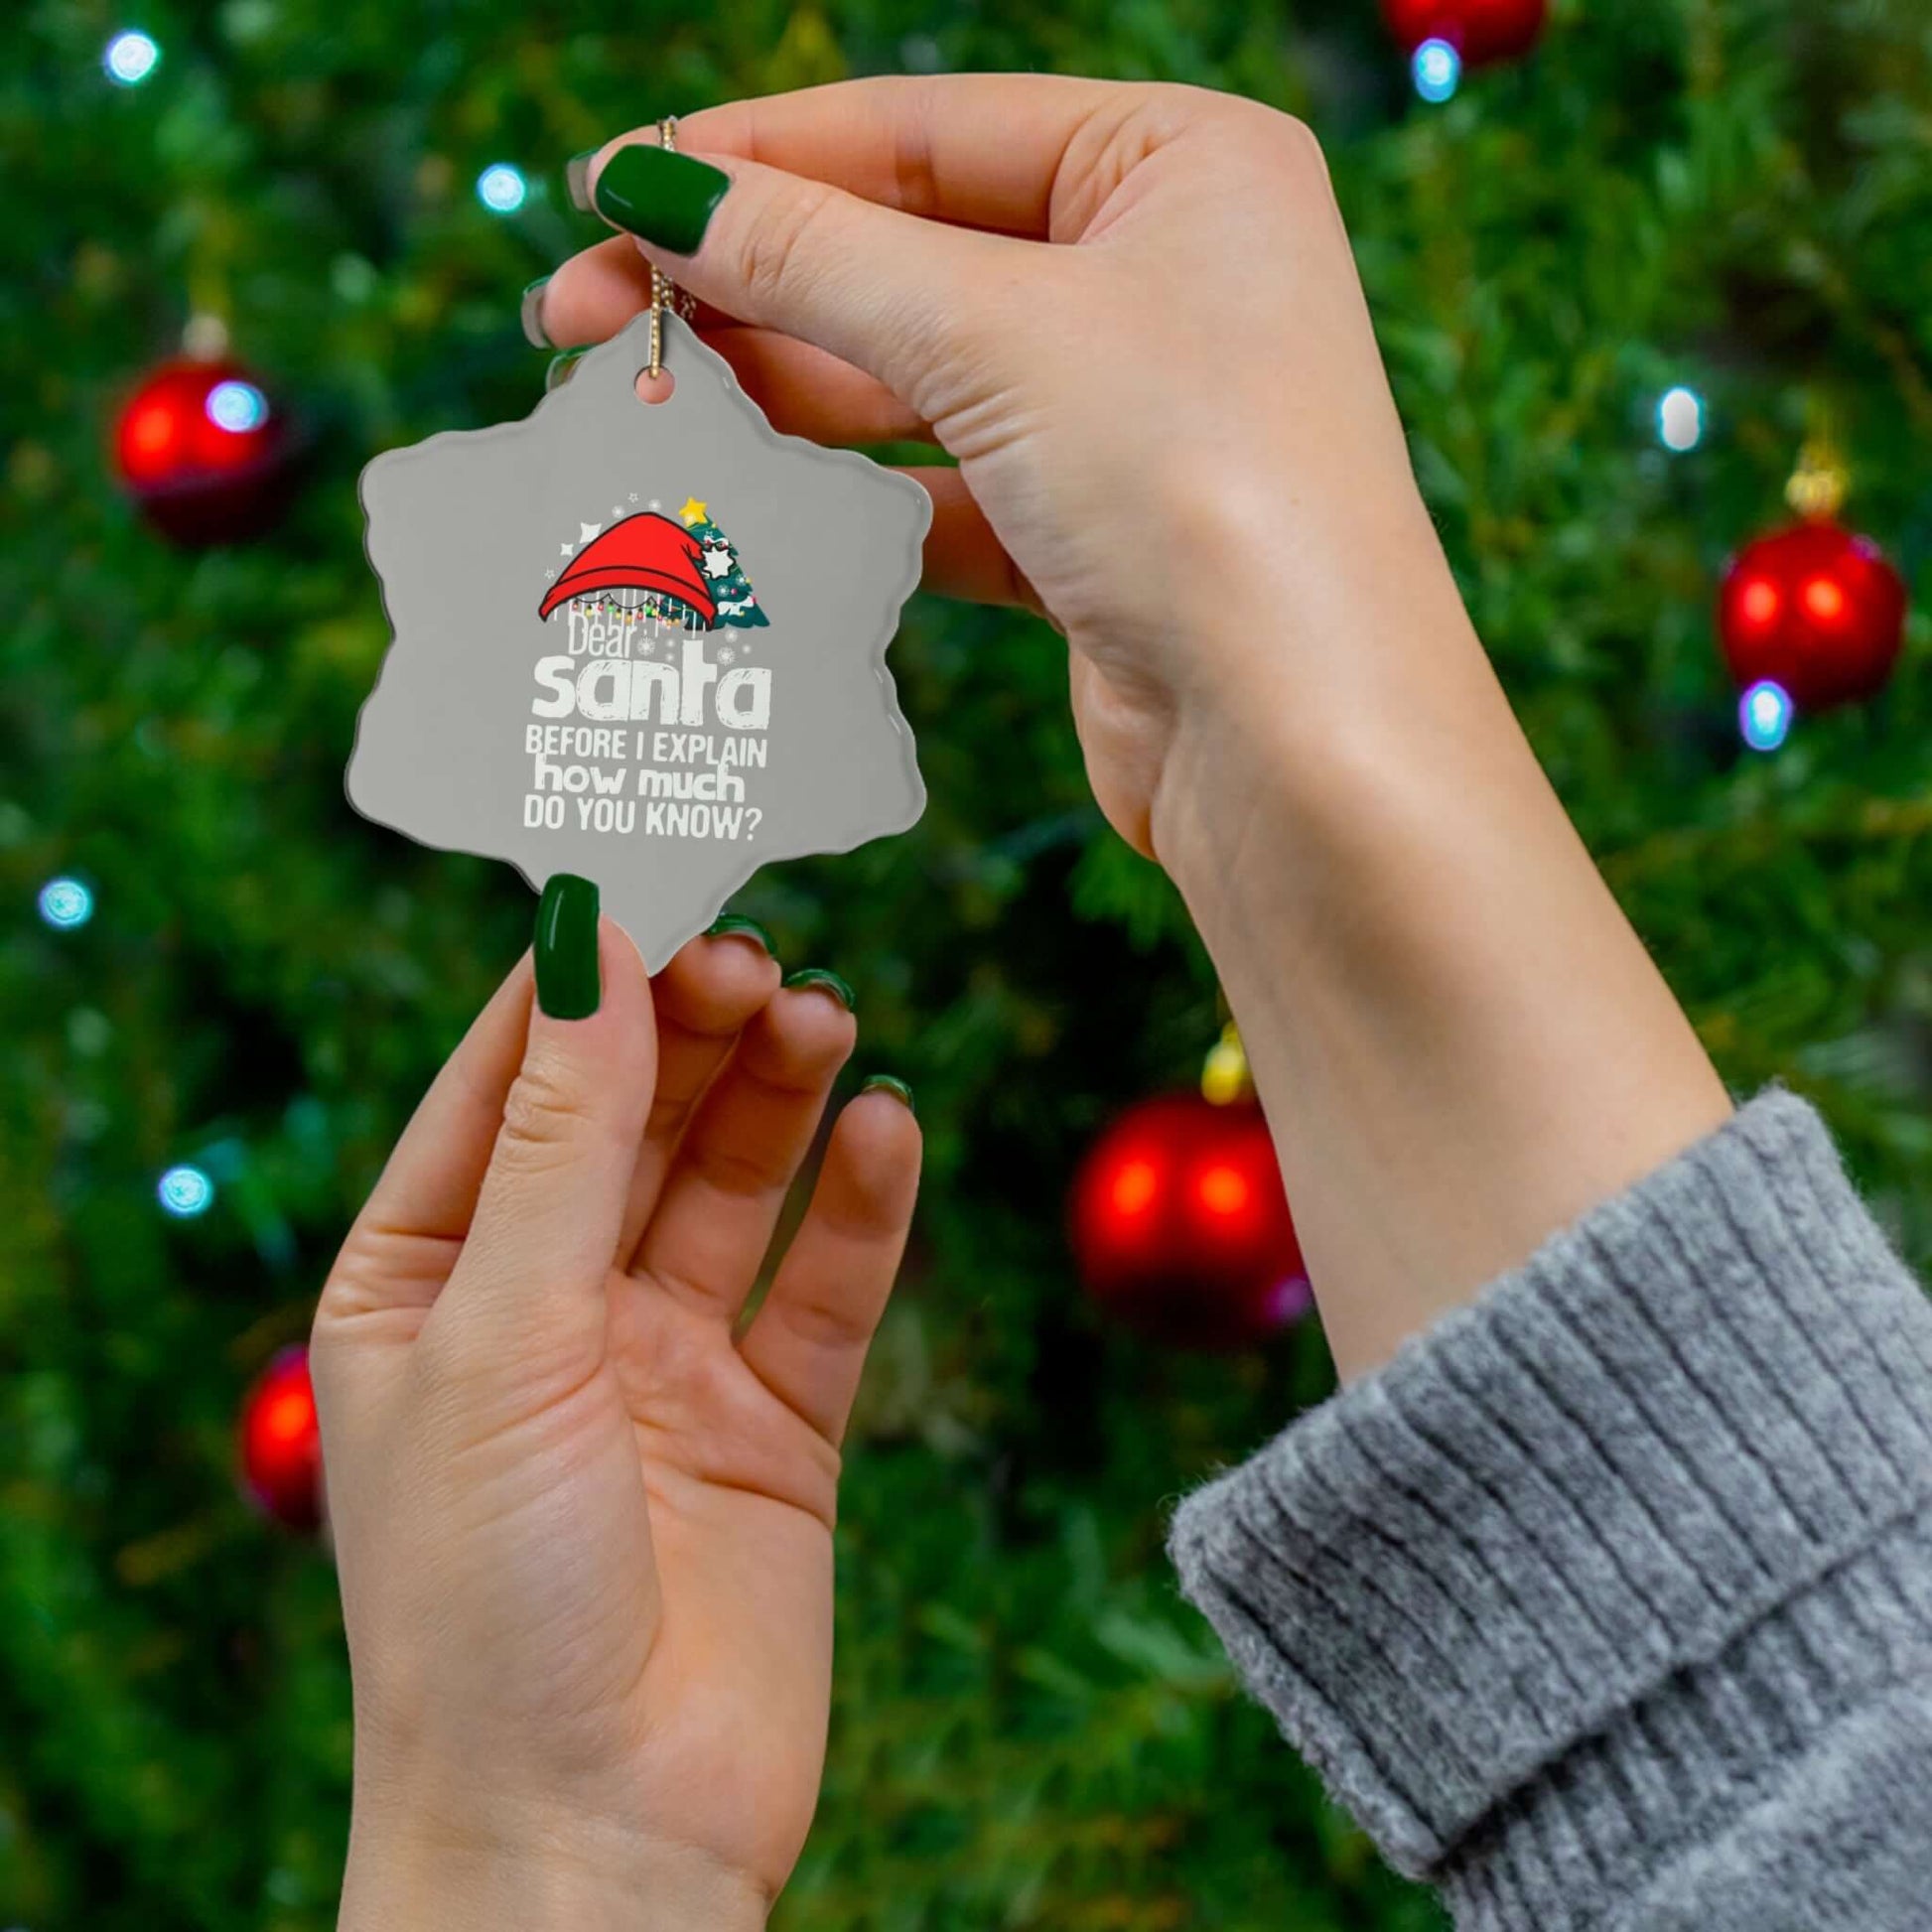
x=1821 y=481
x=1224 y=1076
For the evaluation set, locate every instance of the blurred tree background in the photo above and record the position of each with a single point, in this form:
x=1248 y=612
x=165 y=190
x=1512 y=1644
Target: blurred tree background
x=1031 y=1729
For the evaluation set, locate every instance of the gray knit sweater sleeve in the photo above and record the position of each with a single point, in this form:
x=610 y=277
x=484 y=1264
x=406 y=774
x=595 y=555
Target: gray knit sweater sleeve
x=1608 y=1605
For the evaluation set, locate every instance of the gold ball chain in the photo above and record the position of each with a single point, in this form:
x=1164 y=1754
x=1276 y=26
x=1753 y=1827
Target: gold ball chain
x=665 y=293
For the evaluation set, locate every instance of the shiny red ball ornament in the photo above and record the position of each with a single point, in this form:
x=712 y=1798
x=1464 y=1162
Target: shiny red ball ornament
x=1180 y=1225
x=281 y=1445
x=1481 y=31
x=1815 y=608
x=204 y=452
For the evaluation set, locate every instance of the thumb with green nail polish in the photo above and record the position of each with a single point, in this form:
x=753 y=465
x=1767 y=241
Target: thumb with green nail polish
x=569 y=985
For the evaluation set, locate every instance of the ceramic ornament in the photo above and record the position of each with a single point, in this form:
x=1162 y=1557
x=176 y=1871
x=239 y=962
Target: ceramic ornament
x=640 y=642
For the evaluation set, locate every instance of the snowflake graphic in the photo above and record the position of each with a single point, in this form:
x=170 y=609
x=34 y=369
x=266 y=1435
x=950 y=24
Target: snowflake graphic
x=726 y=655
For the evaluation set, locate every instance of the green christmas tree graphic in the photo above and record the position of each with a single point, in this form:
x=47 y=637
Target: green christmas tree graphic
x=738 y=604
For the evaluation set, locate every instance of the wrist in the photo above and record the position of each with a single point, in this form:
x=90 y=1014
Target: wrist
x=409 y=1873
x=1343 y=654
x=1462 y=1045
x=1327 y=767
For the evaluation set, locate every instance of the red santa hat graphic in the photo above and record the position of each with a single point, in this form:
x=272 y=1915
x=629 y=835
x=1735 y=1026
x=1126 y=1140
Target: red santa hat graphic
x=648 y=552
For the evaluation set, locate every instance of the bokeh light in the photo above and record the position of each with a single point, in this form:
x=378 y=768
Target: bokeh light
x=1289 y=1300
x=66 y=904
x=1438 y=70
x=236 y=406
x=1680 y=419
x=130 y=58
x=1764 y=715
x=501 y=187
x=185 y=1191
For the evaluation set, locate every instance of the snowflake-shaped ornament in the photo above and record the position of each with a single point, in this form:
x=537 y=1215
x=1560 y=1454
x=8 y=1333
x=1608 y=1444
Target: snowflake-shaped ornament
x=599 y=713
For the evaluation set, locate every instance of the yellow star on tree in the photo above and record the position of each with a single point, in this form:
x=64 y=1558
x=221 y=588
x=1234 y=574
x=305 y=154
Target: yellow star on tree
x=693 y=511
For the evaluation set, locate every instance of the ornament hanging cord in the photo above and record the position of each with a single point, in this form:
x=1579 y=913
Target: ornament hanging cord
x=665 y=293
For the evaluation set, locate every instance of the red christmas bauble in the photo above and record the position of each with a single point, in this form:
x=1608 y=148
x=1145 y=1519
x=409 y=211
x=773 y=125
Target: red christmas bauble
x=204 y=452
x=1817 y=610
x=1480 y=30
x=281 y=1445
x=1181 y=1224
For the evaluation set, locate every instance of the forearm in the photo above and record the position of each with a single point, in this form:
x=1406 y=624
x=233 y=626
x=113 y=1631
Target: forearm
x=1460 y=1042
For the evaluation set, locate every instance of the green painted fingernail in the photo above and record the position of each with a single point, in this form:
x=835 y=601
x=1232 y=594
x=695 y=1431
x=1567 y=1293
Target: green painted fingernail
x=531 y=310
x=577 y=178
x=892 y=1084
x=664 y=197
x=825 y=978
x=729 y=924
x=562 y=368
x=568 y=986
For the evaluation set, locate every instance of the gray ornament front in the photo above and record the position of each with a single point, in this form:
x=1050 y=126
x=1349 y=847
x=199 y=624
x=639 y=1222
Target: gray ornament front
x=641 y=643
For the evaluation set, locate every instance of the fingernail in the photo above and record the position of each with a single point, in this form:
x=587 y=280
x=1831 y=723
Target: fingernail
x=730 y=924
x=892 y=1084
x=562 y=368
x=577 y=178
x=568 y=986
x=824 y=978
x=530 y=309
x=664 y=197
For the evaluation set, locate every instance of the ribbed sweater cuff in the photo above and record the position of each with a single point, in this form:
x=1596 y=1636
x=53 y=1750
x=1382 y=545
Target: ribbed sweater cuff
x=1554 y=1542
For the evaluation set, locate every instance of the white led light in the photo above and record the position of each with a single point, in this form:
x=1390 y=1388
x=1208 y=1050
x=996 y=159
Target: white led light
x=502 y=188
x=1438 y=71
x=1680 y=419
x=236 y=406
x=185 y=1191
x=66 y=904
x=130 y=58
x=1764 y=716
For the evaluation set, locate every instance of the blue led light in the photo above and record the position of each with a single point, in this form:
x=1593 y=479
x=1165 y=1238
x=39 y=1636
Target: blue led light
x=1764 y=715
x=1680 y=419
x=236 y=406
x=66 y=904
x=502 y=188
x=1438 y=71
x=130 y=58
x=185 y=1191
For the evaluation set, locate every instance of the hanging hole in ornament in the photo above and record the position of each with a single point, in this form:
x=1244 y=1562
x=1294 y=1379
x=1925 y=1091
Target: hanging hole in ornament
x=655 y=388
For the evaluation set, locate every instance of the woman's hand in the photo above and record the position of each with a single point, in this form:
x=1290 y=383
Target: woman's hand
x=584 y=1527
x=1131 y=314
x=1150 y=421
